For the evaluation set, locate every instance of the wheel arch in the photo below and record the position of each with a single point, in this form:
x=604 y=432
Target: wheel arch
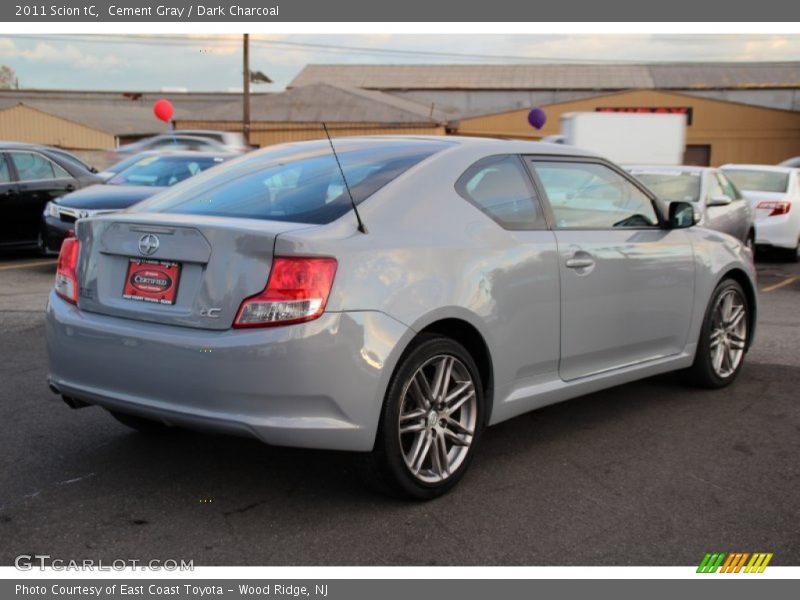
x=474 y=341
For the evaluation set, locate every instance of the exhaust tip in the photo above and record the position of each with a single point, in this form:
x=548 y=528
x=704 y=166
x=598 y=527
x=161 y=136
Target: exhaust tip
x=74 y=403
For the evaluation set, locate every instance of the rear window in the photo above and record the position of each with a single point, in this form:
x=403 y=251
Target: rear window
x=293 y=183
x=758 y=181
x=672 y=186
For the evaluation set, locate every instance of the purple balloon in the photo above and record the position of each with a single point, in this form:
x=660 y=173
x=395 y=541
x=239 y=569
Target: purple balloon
x=537 y=118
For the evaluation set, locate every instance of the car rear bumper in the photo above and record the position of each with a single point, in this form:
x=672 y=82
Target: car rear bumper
x=780 y=231
x=314 y=385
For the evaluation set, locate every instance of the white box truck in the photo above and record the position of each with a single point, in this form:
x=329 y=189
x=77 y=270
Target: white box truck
x=628 y=138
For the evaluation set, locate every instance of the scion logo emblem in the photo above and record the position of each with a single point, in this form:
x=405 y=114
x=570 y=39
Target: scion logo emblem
x=148 y=244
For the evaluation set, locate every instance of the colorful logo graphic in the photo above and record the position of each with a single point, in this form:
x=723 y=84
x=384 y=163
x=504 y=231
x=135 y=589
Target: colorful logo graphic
x=735 y=562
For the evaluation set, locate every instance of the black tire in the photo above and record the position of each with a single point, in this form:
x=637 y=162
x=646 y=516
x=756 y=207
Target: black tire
x=750 y=241
x=702 y=371
x=790 y=255
x=140 y=424
x=386 y=468
x=41 y=246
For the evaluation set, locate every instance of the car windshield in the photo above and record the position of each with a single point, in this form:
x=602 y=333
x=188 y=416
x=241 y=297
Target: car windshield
x=758 y=181
x=163 y=171
x=293 y=184
x=672 y=186
x=124 y=163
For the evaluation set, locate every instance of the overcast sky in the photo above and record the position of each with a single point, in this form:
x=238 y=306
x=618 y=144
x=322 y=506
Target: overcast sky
x=213 y=63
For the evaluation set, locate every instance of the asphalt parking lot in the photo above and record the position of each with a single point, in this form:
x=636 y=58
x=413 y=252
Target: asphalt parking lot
x=650 y=473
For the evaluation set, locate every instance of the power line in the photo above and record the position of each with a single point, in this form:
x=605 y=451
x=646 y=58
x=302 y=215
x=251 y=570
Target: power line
x=158 y=40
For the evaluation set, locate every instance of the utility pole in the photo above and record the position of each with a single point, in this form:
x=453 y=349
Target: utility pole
x=246 y=98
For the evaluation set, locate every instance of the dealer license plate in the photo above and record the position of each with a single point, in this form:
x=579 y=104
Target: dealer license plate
x=152 y=281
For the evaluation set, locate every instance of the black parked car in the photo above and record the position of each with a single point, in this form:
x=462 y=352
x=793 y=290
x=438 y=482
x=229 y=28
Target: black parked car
x=30 y=177
x=153 y=172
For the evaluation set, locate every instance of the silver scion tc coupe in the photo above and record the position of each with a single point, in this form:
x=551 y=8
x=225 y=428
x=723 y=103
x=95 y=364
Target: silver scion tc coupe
x=490 y=278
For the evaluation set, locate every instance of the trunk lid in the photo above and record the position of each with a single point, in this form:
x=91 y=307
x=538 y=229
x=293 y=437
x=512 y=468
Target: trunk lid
x=222 y=262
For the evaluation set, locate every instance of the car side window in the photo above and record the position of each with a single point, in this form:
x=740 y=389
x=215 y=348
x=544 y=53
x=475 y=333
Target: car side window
x=501 y=188
x=35 y=167
x=727 y=187
x=587 y=195
x=715 y=187
x=5 y=174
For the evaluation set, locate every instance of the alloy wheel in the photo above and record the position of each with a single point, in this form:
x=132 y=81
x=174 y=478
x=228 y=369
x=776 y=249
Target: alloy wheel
x=728 y=333
x=438 y=416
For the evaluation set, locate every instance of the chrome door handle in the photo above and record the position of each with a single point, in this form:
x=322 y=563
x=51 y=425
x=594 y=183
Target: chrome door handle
x=579 y=263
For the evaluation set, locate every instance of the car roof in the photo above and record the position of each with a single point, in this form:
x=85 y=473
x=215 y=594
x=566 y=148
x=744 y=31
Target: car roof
x=202 y=132
x=500 y=146
x=773 y=168
x=179 y=134
x=17 y=145
x=29 y=146
x=669 y=168
x=185 y=154
x=74 y=165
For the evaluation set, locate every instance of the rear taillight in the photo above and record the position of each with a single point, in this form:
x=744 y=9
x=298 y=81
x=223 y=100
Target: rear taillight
x=66 y=276
x=297 y=291
x=778 y=207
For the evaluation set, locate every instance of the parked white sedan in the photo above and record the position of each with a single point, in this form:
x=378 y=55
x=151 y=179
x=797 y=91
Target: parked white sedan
x=718 y=203
x=772 y=191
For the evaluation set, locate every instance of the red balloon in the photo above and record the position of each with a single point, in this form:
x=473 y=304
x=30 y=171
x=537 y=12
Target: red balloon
x=163 y=110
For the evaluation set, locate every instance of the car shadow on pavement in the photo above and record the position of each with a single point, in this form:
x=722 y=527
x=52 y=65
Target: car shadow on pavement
x=589 y=481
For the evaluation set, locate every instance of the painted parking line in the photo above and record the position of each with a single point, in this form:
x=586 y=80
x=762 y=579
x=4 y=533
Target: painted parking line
x=779 y=285
x=33 y=263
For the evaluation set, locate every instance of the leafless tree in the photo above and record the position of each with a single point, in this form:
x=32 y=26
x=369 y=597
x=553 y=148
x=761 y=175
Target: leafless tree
x=8 y=79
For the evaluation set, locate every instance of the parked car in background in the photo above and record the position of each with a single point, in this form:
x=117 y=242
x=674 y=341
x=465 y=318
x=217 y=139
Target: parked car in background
x=232 y=140
x=492 y=277
x=30 y=177
x=719 y=205
x=123 y=164
x=67 y=157
x=791 y=162
x=151 y=173
x=168 y=142
x=774 y=193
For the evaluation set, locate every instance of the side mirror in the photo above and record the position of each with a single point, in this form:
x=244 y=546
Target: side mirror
x=720 y=200
x=681 y=215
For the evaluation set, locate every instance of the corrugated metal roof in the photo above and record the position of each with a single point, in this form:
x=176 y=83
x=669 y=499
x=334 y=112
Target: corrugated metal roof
x=562 y=76
x=116 y=113
x=727 y=76
x=323 y=102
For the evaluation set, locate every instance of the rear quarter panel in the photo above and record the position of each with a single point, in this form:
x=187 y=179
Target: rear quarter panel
x=429 y=255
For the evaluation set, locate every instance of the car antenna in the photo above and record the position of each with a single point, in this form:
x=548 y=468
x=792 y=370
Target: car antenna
x=361 y=227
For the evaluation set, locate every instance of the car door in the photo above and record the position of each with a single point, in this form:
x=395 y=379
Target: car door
x=627 y=284
x=722 y=217
x=10 y=206
x=742 y=215
x=40 y=180
x=524 y=281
